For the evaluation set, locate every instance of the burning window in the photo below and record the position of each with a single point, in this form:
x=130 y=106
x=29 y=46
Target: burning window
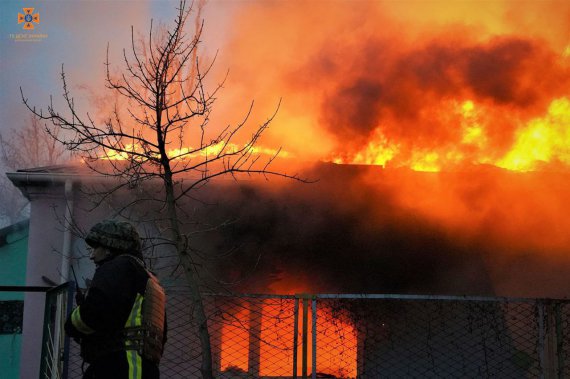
x=258 y=338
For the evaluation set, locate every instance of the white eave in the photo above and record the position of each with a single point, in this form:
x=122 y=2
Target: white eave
x=54 y=176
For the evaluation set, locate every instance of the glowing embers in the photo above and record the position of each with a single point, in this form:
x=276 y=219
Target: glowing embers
x=258 y=339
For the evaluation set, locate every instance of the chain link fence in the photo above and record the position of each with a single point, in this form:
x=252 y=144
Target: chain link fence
x=445 y=337
x=251 y=337
x=367 y=336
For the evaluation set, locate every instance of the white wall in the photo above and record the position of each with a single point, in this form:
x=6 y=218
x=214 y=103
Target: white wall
x=44 y=260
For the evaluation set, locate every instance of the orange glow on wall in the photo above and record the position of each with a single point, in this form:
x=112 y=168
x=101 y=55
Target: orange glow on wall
x=235 y=341
x=336 y=353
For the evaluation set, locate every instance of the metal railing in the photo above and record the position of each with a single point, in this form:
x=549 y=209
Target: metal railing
x=54 y=345
x=368 y=336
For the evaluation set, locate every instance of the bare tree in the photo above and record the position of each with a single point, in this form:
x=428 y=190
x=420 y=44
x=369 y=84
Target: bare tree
x=159 y=130
x=31 y=146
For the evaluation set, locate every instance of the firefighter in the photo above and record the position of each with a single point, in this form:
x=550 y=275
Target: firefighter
x=120 y=324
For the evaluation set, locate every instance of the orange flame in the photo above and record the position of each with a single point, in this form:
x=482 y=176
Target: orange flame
x=336 y=354
x=189 y=152
x=539 y=142
x=438 y=87
x=542 y=140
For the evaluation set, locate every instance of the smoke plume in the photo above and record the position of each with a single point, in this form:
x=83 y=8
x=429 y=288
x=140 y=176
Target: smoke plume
x=372 y=82
x=364 y=229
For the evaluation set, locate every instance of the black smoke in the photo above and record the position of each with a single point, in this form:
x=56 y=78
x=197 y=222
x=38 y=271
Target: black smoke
x=399 y=89
x=336 y=235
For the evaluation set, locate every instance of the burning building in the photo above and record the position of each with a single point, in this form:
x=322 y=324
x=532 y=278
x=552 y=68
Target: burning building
x=444 y=152
x=357 y=230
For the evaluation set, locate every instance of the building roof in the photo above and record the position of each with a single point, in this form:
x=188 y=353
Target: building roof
x=67 y=169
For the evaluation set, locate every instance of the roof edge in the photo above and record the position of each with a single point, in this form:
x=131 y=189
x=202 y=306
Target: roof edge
x=26 y=178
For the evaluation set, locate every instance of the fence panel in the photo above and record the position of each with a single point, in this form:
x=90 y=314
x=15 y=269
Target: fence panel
x=54 y=345
x=251 y=337
x=429 y=338
x=367 y=336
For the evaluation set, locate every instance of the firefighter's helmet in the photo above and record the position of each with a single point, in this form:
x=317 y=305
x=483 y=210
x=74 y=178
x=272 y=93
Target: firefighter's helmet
x=119 y=236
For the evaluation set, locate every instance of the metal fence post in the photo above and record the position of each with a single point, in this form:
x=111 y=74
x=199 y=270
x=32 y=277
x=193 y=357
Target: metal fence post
x=254 y=338
x=58 y=334
x=70 y=296
x=559 y=340
x=51 y=362
x=551 y=341
x=295 y=336
x=541 y=338
x=216 y=336
x=314 y=360
x=305 y=336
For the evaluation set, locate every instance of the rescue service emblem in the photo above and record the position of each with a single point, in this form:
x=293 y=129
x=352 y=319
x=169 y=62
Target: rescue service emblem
x=29 y=18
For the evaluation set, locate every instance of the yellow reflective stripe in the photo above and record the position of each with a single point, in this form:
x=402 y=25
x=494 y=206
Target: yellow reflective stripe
x=135 y=318
x=133 y=357
x=78 y=322
x=135 y=364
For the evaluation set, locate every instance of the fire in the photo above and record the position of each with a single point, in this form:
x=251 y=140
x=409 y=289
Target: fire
x=453 y=88
x=336 y=353
x=537 y=143
x=235 y=342
x=439 y=87
x=379 y=151
x=542 y=140
x=131 y=151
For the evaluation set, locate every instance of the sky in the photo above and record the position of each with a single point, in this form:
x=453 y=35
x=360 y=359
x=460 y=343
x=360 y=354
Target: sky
x=74 y=34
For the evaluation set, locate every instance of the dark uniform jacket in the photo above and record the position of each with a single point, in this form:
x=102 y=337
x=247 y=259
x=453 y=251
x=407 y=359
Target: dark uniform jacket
x=113 y=302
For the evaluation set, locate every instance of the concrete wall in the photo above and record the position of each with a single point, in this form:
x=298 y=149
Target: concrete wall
x=43 y=269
